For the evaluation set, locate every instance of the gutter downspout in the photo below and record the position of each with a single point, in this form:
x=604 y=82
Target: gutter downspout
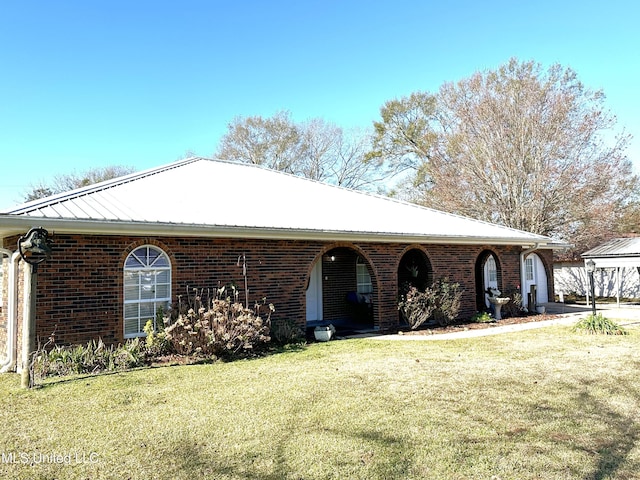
x=523 y=273
x=9 y=364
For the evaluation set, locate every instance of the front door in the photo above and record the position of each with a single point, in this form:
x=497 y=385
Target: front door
x=535 y=274
x=314 y=294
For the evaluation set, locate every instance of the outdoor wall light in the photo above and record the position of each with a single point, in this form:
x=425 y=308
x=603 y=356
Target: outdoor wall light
x=36 y=244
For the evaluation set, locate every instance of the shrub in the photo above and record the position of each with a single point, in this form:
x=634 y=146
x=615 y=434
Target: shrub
x=515 y=307
x=447 y=299
x=440 y=302
x=223 y=328
x=482 y=317
x=597 y=324
x=285 y=331
x=417 y=307
x=156 y=342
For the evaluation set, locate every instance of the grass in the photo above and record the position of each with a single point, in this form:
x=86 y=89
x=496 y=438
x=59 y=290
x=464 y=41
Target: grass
x=540 y=404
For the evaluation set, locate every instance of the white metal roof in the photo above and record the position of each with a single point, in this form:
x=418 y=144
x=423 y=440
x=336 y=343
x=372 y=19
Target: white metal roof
x=617 y=252
x=204 y=197
x=616 y=247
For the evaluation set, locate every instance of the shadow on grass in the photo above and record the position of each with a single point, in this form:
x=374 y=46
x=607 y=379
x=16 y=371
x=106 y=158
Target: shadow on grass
x=614 y=454
x=621 y=432
x=377 y=456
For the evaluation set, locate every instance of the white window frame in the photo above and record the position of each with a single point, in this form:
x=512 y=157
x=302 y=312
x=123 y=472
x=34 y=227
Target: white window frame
x=363 y=278
x=143 y=293
x=528 y=269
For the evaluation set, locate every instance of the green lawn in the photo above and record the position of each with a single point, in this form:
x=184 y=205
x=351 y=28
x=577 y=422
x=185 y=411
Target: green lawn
x=543 y=404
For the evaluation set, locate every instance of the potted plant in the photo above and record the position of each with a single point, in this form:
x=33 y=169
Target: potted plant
x=324 y=334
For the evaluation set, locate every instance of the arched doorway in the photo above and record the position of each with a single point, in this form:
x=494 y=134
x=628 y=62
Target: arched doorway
x=488 y=274
x=341 y=290
x=414 y=270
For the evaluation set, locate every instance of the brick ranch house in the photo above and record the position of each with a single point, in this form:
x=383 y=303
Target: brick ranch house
x=319 y=253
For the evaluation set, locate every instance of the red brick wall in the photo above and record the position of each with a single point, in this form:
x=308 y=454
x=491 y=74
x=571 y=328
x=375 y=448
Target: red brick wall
x=80 y=289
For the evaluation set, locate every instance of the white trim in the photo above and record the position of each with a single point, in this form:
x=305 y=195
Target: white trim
x=13 y=225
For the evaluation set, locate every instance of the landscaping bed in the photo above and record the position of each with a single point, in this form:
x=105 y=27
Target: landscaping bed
x=435 y=329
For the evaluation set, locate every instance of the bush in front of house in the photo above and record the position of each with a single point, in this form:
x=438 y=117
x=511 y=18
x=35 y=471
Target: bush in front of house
x=440 y=302
x=598 y=324
x=286 y=332
x=515 y=307
x=448 y=298
x=482 y=317
x=417 y=307
x=221 y=327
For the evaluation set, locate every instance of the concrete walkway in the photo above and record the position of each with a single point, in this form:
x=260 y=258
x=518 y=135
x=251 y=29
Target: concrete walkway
x=567 y=314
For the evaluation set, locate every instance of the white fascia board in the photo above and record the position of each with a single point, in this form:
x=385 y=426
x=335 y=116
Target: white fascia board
x=613 y=262
x=14 y=225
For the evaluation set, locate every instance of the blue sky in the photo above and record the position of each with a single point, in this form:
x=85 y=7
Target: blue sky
x=86 y=84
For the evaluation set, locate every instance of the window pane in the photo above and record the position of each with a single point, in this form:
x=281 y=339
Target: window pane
x=131 y=326
x=147 y=310
x=161 y=262
x=493 y=272
x=147 y=292
x=152 y=254
x=131 y=309
x=163 y=276
x=131 y=278
x=131 y=293
x=148 y=277
x=363 y=278
x=162 y=291
x=133 y=261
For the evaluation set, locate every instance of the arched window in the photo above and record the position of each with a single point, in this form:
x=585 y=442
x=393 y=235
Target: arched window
x=147 y=287
x=363 y=277
x=492 y=270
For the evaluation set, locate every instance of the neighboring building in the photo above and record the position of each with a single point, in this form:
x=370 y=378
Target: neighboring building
x=319 y=253
x=617 y=272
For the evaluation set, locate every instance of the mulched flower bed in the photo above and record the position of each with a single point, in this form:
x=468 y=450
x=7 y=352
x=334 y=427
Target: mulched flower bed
x=460 y=327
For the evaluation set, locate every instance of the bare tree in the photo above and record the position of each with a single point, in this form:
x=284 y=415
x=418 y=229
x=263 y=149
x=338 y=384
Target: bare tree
x=70 y=181
x=524 y=148
x=314 y=149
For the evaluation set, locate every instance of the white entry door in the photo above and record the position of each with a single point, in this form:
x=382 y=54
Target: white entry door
x=535 y=274
x=314 y=294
